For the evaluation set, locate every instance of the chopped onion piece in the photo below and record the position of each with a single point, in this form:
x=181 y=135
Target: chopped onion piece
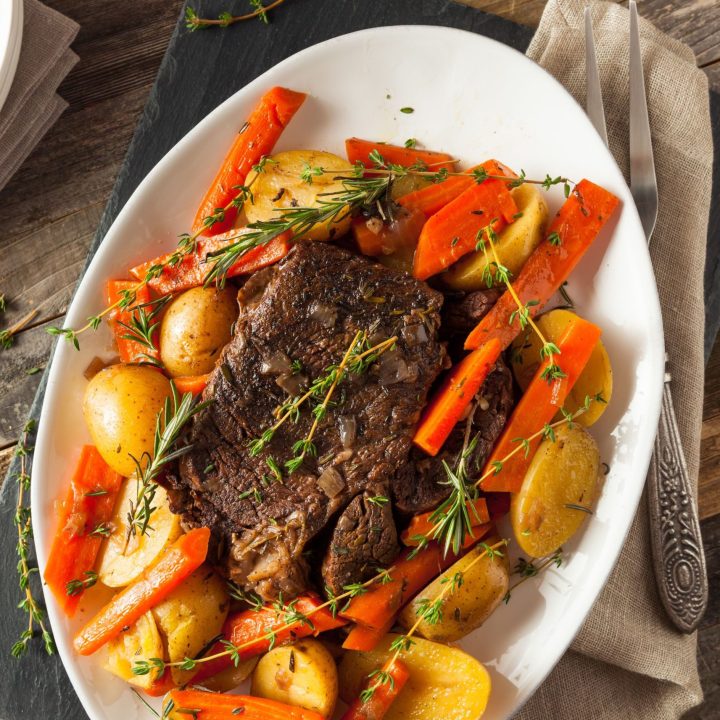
x=331 y=482
x=276 y=364
x=326 y=315
x=347 y=428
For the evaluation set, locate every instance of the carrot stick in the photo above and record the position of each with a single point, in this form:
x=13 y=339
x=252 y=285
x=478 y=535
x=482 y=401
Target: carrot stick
x=376 y=707
x=130 y=351
x=365 y=638
x=453 y=230
x=82 y=515
x=409 y=575
x=401 y=235
x=452 y=399
x=538 y=406
x=577 y=224
x=423 y=525
x=194 y=384
x=358 y=150
x=243 y=627
x=432 y=198
x=192 y=270
x=204 y=705
x=183 y=557
x=256 y=138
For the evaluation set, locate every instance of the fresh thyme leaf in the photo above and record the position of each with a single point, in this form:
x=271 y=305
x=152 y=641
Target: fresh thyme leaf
x=410 y=143
x=75 y=587
x=407 y=110
x=581 y=508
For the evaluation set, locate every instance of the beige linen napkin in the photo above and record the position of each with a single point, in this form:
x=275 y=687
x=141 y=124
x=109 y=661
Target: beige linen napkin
x=32 y=105
x=628 y=661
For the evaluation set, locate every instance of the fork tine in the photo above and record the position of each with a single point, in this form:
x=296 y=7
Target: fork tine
x=593 y=98
x=643 y=183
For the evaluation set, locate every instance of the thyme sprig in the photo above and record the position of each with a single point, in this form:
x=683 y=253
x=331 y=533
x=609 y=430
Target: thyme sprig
x=528 y=568
x=357 y=359
x=171 y=420
x=36 y=616
x=430 y=611
x=225 y=19
x=7 y=336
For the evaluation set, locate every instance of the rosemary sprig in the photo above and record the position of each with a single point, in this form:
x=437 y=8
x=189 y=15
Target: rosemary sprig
x=225 y=19
x=36 y=616
x=7 y=336
x=332 y=207
x=170 y=422
x=144 y=322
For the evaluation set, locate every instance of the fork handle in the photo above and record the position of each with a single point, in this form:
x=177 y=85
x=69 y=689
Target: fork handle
x=677 y=548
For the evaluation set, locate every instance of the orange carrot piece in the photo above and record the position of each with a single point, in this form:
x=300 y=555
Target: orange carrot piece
x=376 y=707
x=256 y=138
x=453 y=231
x=450 y=402
x=422 y=524
x=194 y=384
x=87 y=507
x=358 y=150
x=577 y=224
x=401 y=235
x=365 y=639
x=409 y=575
x=185 y=555
x=538 y=406
x=192 y=270
x=432 y=198
x=218 y=706
x=130 y=350
x=248 y=625
x=163 y=685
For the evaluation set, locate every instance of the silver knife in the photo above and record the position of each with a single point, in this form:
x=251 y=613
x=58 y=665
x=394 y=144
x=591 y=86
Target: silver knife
x=679 y=560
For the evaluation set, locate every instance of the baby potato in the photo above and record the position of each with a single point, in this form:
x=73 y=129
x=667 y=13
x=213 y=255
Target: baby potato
x=121 y=406
x=595 y=378
x=191 y=616
x=303 y=674
x=196 y=327
x=141 y=642
x=123 y=556
x=514 y=244
x=563 y=474
x=281 y=185
x=444 y=682
x=484 y=582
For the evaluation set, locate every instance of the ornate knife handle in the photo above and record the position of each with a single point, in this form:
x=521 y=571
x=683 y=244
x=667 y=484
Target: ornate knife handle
x=674 y=528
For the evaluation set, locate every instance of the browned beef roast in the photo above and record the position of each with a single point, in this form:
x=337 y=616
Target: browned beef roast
x=308 y=309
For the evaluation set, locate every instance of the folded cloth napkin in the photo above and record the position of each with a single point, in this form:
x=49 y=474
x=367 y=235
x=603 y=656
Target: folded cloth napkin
x=628 y=661
x=32 y=105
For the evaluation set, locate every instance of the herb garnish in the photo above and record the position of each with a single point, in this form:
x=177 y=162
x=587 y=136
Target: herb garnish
x=36 y=616
x=7 y=336
x=225 y=19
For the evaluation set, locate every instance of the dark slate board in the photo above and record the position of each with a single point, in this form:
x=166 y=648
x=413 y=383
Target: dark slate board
x=198 y=72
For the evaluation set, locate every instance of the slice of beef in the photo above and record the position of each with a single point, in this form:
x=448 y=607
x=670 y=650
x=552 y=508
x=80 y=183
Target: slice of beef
x=364 y=539
x=422 y=484
x=304 y=313
x=461 y=312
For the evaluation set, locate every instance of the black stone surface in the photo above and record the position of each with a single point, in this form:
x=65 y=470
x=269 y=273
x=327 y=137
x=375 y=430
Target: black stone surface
x=199 y=71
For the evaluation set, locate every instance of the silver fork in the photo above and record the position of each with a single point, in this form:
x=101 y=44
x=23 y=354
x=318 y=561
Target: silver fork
x=679 y=560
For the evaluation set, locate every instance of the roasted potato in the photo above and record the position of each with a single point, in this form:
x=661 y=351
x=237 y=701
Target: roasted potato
x=514 y=244
x=141 y=641
x=483 y=583
x=302 y=674
x=121 y=406
x=191 y=616
x=123 y=557
x=558 y=490
x=281 y=185
x=196 y=327
x=444 y=681
x=595 y=378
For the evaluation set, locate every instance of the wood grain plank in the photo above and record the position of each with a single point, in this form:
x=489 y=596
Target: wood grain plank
x=709 y=479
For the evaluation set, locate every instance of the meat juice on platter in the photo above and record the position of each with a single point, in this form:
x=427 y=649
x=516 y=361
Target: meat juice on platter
x=325 y=401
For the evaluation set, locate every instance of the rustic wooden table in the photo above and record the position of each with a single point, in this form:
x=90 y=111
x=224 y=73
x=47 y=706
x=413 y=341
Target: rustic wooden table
x=51 y=208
